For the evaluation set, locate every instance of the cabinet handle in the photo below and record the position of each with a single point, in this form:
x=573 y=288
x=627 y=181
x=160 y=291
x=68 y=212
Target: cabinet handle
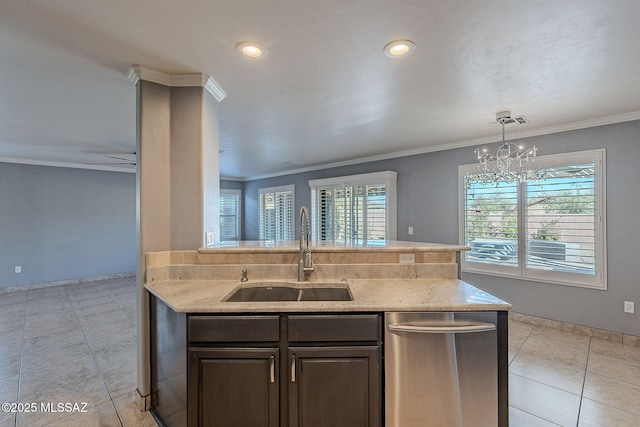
x=272 y=368
x=293 y=368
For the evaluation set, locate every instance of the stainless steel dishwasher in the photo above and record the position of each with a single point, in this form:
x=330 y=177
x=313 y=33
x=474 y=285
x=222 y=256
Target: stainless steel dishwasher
x=441 y=369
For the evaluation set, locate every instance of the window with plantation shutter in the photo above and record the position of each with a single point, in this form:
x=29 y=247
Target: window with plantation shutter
x=376 y=211
x=549 y=229
x=276 y=213
x=229 y=214
x=357 y=208
x=491 y=224
x=561 y=220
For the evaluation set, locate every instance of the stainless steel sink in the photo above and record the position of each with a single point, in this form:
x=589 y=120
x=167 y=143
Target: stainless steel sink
x=326 y=294
x=263 y=293
x=290 y=291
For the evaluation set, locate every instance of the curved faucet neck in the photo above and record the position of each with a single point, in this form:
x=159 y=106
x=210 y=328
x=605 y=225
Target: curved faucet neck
x=304 y=263
x=306 y=223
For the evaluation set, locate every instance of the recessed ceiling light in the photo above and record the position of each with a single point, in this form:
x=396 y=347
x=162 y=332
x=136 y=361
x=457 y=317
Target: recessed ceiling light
x=252 y=49
x=399 y=48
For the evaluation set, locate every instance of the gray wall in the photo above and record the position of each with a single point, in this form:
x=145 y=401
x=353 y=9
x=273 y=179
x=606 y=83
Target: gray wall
x=428 y=201
x=228 y=184
x=61 y=224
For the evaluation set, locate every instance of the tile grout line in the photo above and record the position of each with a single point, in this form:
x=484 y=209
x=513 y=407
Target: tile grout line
x=584 y=381
x=547 y=385
x=24 y=324
x=93 y=357
x=520 y=348
x=514 y=358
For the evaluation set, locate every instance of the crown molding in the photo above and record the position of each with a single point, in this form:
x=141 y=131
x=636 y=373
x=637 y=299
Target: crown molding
x=34 y=162
x=564 y=127
x=231 y=178
x=137 y=73
x=214 y=89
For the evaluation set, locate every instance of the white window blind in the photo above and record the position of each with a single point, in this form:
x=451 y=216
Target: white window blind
x=561 y=221
x=276 y=213
x=376 y=212
x=340 y=213
x=551 y=229
x=229 y=214
x=359 y=208
x=491 y=224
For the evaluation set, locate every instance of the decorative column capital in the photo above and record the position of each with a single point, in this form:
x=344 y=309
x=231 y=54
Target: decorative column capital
x=137 y=73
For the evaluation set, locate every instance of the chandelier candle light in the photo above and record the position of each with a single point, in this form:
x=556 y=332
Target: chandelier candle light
x=510 y=163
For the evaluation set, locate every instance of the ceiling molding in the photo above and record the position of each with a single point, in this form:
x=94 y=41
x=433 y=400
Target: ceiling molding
x=104 y=167
x=600 y=121
x=582 y=124
x=214 y=89
x=188 y=80
x=137 y=73
x=231 y=178
x=564 y=127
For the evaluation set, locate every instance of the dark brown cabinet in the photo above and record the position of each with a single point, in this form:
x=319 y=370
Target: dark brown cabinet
x=334 y=363
x=334 y=386
x=286 y=370
x=234 y=386
x=234 y=371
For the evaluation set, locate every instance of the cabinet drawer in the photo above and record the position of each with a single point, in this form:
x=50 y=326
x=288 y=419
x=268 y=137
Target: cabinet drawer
x=358 y=327
x=233 y=328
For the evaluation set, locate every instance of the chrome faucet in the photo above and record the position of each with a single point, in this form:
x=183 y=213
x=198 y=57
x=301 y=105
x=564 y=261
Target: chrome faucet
x=304 y=263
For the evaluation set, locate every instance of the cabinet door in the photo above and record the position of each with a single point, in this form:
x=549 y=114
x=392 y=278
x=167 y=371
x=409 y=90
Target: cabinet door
x=233 y=387
x=334 y=386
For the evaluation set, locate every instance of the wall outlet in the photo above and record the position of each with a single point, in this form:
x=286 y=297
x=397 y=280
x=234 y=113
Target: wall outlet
x=629 y=307
x=209 y=238
x=410 y=231
x=18 y=269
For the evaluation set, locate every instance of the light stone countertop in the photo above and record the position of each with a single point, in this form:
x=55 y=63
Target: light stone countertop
x=379 y=295
x=328 y=246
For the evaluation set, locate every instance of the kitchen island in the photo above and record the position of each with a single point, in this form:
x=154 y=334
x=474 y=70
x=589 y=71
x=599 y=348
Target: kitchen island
x=288 y=350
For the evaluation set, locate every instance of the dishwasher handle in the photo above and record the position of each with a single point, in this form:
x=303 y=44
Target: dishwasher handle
x=438 y=329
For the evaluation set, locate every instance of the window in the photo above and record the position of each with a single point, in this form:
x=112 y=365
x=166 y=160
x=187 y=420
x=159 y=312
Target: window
x=276 y=213
x=229 y=215
x=357 y=208
x=549 y=229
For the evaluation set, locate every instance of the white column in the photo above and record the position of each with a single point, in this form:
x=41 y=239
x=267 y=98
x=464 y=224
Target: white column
x=177 y=179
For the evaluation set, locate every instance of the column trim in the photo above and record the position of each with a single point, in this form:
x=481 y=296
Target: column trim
x=137 y=73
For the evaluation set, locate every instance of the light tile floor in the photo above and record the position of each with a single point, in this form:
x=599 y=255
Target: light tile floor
x=566 y=379
x=76 y=343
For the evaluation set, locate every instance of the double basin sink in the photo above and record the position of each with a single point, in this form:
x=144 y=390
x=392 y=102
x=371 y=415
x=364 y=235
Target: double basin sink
x=290 y=291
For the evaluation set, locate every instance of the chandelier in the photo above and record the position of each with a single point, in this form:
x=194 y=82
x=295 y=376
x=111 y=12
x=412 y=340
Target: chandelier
x=509 y=164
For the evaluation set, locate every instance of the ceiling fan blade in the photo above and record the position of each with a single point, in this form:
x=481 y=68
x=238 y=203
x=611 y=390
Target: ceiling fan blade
x=119 y=158
x=113 y=163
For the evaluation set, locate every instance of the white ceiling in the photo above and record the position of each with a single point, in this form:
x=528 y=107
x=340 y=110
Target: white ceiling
x=325 y=93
